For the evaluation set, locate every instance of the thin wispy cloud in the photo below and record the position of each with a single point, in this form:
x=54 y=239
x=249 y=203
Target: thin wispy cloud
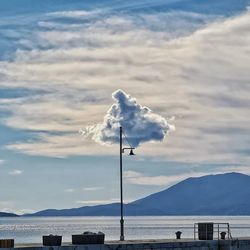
x=15 y=172
x=69 y=190
x=6 y=206
x=85 y=189
x=91 y=188
x=199 y=75
x=97 y=202
x=80 y=14
x=139 y=178
x=10 y=206
x=101 y=202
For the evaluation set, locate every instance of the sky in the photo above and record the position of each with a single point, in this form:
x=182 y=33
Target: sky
x=67 y=70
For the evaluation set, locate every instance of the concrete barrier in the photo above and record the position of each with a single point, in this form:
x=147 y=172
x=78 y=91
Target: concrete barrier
x=236 y=244
x=6 y=243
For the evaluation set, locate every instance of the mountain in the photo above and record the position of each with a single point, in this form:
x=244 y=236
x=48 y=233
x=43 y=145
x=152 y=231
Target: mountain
x=100 y=210
x=222 y=194
x=3 y=214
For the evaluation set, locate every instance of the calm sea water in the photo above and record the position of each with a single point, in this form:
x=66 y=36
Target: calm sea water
x=30 y=230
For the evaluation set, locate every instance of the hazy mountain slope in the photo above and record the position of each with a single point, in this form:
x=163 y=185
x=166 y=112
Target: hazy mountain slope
x=213 y=194
x=101 y=210
x=3 y=214
x=223 y=194
x=109 y=209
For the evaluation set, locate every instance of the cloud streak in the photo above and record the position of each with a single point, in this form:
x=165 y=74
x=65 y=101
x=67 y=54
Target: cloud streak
x=200 y=75
x=69 y=190
x=101 y=202
x=15 y=172
x=138 y=178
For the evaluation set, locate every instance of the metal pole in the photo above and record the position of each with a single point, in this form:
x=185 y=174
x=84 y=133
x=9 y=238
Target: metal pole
x=121 y=189
x=194 y=231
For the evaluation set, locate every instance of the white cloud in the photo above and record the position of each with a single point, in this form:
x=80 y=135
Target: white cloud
x=237 y=168
x=15 y=172
x=139 y=123
x=24 y=211
x=201 y=78
x=96 y=202
x=5 y=206
x=85 y=189
x=80 y=14
x=9 y=206
x=101 y=202
x=69 y=190
x=61 y=146
x=139 y=178
x=91 y=188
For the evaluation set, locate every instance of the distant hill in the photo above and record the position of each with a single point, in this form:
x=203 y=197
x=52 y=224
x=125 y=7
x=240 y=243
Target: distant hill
x=222 y=194
x=3 y=214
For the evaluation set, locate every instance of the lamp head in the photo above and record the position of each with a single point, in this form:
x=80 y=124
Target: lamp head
x=131 y=152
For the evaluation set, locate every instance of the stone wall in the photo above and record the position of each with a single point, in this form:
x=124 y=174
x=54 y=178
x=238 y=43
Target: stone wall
x=242 y=244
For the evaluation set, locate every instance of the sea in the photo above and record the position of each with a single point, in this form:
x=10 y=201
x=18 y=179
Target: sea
x=30 y=230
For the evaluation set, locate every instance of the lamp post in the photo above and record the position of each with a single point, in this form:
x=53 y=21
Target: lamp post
x=122 y=150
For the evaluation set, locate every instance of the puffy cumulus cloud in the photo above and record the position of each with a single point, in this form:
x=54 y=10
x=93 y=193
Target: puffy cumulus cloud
x=139 y=123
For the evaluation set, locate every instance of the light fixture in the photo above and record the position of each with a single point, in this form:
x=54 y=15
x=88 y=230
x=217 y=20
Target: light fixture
x=131 y=152
x=122 y=150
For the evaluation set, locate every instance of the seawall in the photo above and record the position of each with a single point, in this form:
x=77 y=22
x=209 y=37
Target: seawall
x=235 y=244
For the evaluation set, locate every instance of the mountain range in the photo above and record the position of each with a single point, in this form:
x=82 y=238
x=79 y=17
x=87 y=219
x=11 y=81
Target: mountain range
x=222 y=194
x=3 y=214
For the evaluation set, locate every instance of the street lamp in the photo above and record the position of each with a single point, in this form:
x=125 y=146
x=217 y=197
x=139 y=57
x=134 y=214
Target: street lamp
x=122 y=150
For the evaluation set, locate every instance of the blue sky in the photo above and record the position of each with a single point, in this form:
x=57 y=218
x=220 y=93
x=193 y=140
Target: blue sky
x=60 y=64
